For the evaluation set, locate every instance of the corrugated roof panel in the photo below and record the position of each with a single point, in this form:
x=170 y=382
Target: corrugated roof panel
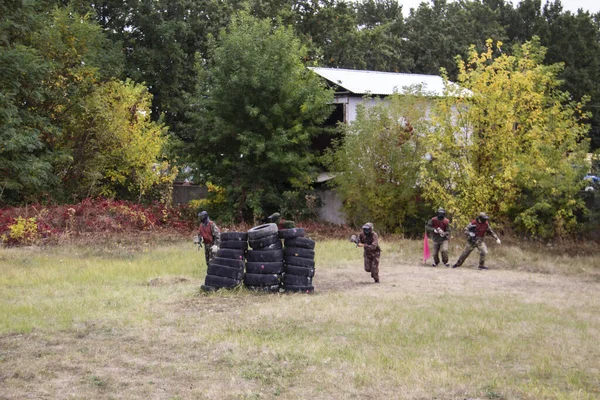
x=380 y=83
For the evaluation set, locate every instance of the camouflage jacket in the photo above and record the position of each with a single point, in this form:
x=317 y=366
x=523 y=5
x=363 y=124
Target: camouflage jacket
x=371 y=244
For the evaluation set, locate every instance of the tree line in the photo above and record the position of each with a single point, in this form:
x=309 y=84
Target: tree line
x=107 y=97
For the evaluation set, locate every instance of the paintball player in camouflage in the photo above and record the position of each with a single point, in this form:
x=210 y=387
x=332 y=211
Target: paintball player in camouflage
x=275 y=218
x=369 y=240
x=439 y=229
x=211 y=236
x=476 y=232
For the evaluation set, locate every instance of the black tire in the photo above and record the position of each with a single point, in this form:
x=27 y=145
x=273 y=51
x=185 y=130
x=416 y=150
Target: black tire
x=262 y=279
x=291 y=233
x=206 y=288
x=264 y=267
x=302 y=242
x=272 y=288
x=299 y=261
x=295 y=288
x=234 y=244
x=225 y=272
x=237 y=236
x=221 y=282
x=229 y=262
x=264 y=255
x=302 y=271
x=231 y=253
x=261 y=231
x=264 y=241
x=299 y=252
x=297 y=280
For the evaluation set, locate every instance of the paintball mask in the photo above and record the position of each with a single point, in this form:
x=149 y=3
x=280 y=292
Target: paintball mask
x=367 y=228
x=203 y=216
x=483 y=217
x=441 y=213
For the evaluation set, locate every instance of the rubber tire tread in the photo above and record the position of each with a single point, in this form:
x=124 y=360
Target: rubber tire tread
x=234 y=236
x=299 y=261
x=299 y=252
x=207 y=288
x=302 y=271
x=264 y=242
x=297 y=280
x=229 y=262
x=264 y=255
x=262 y=279
x=302 y=242
x=261 y=231
x=234 y=244
x=272 y=288
x=221 y=282
x=225 y=272
x=264 y=267
x=234 y=254
x=295 y=288
x=291 y=233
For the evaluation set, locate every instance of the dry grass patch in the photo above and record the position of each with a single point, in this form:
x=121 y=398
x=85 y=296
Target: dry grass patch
x=423 y=333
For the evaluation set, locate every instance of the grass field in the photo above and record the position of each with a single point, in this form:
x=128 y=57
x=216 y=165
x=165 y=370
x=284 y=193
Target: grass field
x=124 y=322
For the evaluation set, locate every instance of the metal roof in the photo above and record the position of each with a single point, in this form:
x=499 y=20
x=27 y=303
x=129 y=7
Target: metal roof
x=380 y=83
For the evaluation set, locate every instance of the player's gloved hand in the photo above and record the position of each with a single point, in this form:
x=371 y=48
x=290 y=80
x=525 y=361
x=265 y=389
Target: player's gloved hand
x=214 y=249
x=498 y=241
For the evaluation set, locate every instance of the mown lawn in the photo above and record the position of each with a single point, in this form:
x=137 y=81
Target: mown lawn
x=129 y=322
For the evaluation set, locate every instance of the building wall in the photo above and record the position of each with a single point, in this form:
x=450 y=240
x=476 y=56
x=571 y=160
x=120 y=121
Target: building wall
x=331 y=207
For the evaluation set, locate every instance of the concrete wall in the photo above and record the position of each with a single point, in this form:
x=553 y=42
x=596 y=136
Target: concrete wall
x=183 y=194
x=331 y=207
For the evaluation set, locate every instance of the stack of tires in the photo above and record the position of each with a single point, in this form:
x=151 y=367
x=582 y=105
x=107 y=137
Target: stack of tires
x=264 y=263
x=226 y=270
x=299 y=256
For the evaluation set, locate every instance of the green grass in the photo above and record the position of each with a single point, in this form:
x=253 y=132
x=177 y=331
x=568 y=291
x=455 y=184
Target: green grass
x=117 y=323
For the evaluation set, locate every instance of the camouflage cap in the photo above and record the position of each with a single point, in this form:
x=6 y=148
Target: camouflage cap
x=483 y=216
x=441 y=211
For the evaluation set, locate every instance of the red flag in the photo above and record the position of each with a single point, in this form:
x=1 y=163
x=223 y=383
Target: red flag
x=426 y=253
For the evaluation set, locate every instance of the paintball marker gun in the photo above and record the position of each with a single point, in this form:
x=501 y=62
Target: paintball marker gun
x=198 y=239
x=354 y=239
x=440 y=232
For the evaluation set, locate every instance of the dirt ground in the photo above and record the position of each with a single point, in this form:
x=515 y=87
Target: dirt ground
x=165 y=358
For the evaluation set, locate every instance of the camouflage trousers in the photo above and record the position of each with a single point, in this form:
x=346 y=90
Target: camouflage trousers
x=469 y=248
x=208 y=255
x=436 y=250
x=372 y=266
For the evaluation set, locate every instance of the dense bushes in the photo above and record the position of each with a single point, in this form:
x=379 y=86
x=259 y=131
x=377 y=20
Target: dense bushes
x=36 y=223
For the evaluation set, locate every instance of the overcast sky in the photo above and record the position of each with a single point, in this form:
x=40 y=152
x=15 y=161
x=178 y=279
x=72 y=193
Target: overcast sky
x=593 y=6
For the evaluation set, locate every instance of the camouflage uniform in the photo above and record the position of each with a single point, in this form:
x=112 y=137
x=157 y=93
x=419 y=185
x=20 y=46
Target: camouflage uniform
x=281 y=223
x=476 y=232
x=211 y=235
x=440 y=242
x=371 y=253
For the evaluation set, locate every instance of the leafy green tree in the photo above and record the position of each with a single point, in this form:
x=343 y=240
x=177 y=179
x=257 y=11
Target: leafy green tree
x=259 y=107
x=115 y=148
x=514 y=147
x=377 y=163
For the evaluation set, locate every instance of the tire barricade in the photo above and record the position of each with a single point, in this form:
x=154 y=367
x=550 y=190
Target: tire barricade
x=264 y=262
x=299 y=261
x=226 y=270
x=268 y=265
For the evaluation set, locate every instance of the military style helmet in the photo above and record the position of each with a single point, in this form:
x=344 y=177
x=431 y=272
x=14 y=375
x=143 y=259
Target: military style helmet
x=483 y=216
x=367 y=228
x=274 y=218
